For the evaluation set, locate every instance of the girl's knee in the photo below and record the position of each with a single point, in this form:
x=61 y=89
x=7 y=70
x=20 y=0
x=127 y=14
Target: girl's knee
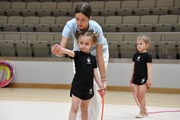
x=74 y=109
x=84 y=111
x=141 y=97
x=84 y=108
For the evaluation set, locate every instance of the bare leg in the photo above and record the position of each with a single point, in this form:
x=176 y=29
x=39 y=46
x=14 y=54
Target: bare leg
x=74 y=108
x=94 y=107
x=142 y=99
x=140 y=94
x=136 y=91
x=84 y=109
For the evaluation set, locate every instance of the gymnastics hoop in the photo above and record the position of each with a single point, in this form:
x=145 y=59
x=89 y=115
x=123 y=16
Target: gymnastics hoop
x=135 y=98
x=8 y=74
x=102 y=97
x=9 y=70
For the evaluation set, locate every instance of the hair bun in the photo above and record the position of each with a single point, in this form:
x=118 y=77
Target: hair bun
x=95 y=34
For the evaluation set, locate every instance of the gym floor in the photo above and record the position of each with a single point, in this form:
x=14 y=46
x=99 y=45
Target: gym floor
x=54 y=104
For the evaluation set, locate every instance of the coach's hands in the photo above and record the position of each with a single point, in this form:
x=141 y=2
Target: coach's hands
x=56 y=50
x=102 y=92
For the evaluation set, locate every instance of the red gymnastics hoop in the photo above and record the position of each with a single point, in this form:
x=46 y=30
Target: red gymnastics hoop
x=102 y=97
x=8 y=70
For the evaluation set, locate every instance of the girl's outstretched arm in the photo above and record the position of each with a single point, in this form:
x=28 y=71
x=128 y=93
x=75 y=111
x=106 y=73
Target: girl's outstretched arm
x=66 y=51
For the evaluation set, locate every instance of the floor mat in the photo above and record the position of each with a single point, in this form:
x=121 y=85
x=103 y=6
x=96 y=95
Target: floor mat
x=36 y=110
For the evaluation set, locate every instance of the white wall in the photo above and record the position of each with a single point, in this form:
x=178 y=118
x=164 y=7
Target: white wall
x=164 y=75
x=43 y=72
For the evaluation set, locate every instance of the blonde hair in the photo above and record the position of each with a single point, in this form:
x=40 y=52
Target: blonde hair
x=145 y=38
x=91 y=34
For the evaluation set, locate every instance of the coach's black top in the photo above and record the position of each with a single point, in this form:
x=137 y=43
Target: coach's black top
x=84 y=67
x=140 y=65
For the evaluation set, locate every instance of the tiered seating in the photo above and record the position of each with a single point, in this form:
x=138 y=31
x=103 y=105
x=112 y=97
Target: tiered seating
x=114 y=41
x=27 y=45
x=33 y=23
x=111 y=23
x=121 y=45
x=147 y=23
x=177 y=25
x=120 y=20
x=172 y=44
x=166 y=23
x=12 y=23
x=100 y=8
x=128 y=23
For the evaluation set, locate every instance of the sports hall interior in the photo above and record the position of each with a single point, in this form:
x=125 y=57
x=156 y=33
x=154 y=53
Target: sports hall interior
x=28 y=29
